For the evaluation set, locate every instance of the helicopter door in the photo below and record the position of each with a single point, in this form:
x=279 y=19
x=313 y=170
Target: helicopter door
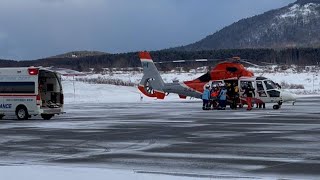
x=243 y=85
x=215 y=83
x=272 y=91
x=261 y=91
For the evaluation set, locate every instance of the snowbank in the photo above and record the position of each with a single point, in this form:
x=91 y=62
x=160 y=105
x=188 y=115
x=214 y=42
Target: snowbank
x=80 y=92
x=76 y=91
x=37 y=172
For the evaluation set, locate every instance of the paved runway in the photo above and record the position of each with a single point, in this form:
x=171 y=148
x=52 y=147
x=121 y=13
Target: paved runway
x=175 y=138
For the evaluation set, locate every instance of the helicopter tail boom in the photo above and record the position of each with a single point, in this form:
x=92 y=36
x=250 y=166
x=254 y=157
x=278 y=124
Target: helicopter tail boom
x=151 y=83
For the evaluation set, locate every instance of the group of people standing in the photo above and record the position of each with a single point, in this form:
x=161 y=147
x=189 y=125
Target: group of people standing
x=218 y=96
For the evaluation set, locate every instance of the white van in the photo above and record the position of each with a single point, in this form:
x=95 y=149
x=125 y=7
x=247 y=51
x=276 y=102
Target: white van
x=32 y=91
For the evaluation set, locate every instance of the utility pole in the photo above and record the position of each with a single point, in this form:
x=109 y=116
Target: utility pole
x=314 y=75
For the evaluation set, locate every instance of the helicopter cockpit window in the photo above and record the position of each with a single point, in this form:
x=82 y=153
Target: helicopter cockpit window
x=244 y=84
x=274 y=93
x=205 y=78
x=270 y=84
x=260 y=89
x=260 y=86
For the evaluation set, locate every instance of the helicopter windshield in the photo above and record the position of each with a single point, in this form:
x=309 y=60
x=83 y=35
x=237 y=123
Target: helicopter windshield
x=270 y=84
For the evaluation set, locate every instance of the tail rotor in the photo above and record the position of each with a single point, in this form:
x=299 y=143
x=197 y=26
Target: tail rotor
x=151 y=83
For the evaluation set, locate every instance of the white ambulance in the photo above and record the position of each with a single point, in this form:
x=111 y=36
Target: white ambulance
x=30 y=91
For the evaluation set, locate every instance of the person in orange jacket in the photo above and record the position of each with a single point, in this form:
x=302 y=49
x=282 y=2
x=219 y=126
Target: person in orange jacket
x=214 y=96
x=249 y=92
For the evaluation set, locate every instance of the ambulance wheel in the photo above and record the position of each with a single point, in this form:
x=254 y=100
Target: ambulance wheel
x=47 y=116
x=276 y=107
x=22 y=113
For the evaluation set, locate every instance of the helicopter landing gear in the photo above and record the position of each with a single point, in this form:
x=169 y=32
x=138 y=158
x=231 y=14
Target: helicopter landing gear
x=276 y=107
x=232 y=106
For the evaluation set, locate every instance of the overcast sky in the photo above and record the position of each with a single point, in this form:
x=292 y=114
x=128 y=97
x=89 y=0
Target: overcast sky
x=31 y=29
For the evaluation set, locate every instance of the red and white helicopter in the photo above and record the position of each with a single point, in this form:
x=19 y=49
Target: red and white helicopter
x=266 y=91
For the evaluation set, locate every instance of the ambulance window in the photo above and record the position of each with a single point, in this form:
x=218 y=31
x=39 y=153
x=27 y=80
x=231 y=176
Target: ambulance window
x=17 y=87
x=50 y=87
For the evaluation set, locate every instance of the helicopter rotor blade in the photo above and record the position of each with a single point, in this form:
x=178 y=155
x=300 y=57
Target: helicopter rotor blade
x=246 y=61
x=267 y=63
x=250 y=63
x=192 y=60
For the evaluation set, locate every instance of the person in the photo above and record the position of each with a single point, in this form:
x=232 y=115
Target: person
x=249 y=92
x=261 y=105
x=222 y=97
x=206 y=97
x=278 y=86
x=229 y=90
x=235 y=95
x=214 y=96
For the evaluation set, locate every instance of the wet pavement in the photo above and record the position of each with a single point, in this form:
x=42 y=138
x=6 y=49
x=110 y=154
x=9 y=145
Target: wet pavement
x=175 y=138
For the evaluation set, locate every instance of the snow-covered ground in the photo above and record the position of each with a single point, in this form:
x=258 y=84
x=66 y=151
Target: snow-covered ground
x=38 y=172
x=41 y=172
x=79 y=92
x=308 y=79
x=76 y=91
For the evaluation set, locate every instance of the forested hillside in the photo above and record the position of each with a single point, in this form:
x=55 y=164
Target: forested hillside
x=306 y=56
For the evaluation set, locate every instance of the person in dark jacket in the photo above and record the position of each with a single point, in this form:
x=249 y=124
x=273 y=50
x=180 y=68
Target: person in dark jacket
x=206 y=97
x=249 y=92
x=261 y=105
x=234 y=95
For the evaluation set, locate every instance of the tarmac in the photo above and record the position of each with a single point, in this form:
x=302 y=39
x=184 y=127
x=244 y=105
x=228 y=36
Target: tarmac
x=173 y=138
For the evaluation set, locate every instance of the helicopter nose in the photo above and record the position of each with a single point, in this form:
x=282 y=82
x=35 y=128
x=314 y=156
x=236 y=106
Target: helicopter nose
x=288 y=96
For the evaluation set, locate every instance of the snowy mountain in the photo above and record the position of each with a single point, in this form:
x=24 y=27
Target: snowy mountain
x=296 y=25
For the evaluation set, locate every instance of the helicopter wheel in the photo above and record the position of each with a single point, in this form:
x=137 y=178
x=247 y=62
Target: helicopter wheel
x=232 y=106
x=276 y=107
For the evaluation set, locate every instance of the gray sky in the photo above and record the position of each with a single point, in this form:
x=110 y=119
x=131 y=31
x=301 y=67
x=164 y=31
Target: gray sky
x=31 y=29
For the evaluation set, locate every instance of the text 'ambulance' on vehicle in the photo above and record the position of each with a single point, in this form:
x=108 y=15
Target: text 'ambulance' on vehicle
x=30 y=91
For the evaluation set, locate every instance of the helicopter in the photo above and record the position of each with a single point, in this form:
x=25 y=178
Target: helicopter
x=266 y=91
